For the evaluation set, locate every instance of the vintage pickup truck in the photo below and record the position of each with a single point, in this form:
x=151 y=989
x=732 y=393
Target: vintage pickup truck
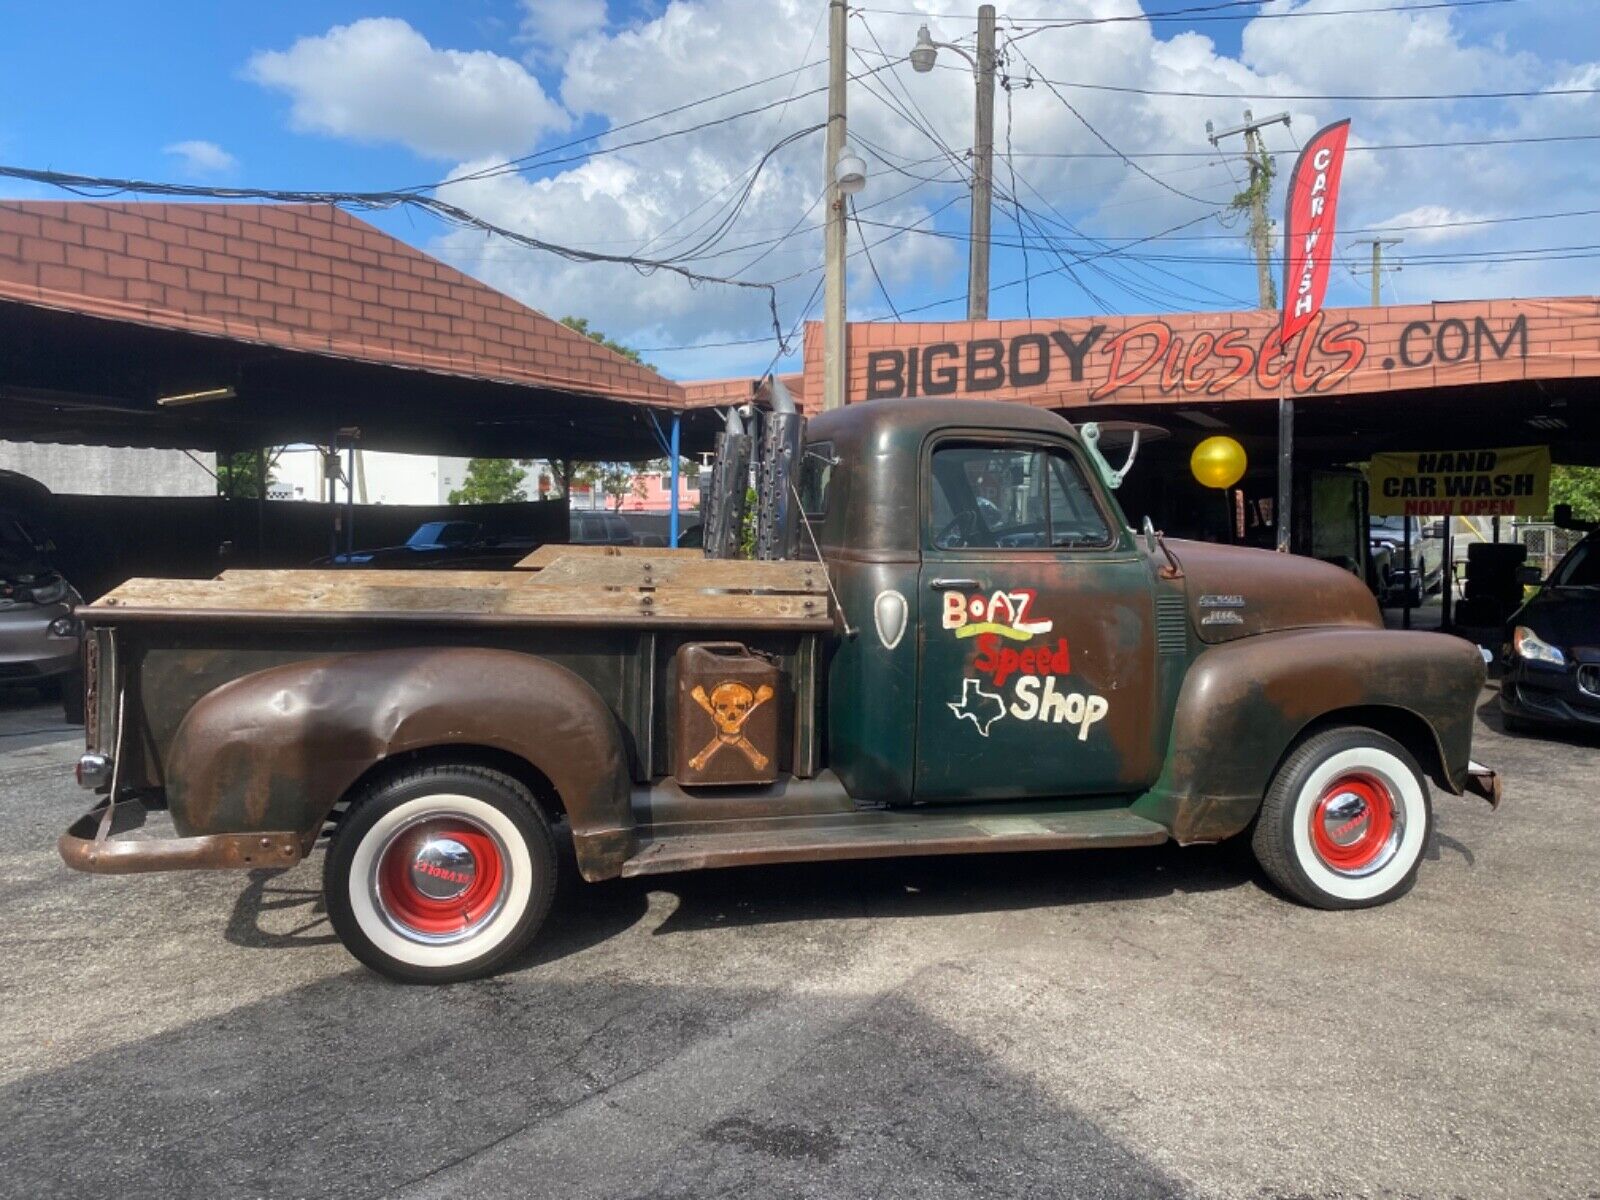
x=954 y=643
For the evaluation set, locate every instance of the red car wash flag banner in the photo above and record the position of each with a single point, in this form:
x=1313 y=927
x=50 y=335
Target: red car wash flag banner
x=1308 y=226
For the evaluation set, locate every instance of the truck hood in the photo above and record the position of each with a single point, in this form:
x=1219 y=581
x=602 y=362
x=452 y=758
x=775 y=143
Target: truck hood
x=1235 y=592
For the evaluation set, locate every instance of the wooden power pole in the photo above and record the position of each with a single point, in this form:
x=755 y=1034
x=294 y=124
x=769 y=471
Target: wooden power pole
x=834 y=363
x=1254 y=198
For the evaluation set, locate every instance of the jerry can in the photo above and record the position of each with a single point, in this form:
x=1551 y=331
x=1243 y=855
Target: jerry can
x=727 y=718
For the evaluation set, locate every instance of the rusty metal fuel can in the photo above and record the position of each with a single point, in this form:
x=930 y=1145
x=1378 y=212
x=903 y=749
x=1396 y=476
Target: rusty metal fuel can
x=727 y=718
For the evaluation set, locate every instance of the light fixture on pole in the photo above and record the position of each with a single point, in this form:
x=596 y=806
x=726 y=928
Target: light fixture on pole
x=850 y=172
x=924 y=55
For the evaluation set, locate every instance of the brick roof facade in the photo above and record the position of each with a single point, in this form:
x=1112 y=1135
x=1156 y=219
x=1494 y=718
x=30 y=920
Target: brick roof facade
x=302 y=277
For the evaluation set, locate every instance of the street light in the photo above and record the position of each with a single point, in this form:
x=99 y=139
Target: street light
x=923 y=57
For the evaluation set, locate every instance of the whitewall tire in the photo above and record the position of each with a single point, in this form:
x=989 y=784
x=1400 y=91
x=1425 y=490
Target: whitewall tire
x=1346 y=820
x=440 y=873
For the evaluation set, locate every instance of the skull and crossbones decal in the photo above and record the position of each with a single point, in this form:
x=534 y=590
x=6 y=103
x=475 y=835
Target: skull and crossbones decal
x=729 y=706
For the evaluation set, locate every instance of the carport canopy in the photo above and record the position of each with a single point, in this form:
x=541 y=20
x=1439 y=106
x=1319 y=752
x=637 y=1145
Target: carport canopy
x=297 y=321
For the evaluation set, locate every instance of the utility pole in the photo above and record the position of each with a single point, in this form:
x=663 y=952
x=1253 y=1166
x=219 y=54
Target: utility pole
x=1256 y=195
x=1376 y=269
x=982 y=169
x=1255 y=199
x=835 y=365
x=924 y=56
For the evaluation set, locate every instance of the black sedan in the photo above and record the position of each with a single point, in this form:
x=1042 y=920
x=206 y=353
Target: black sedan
x=1553 y=654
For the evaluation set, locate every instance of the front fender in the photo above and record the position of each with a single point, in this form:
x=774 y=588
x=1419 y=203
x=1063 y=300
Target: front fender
x=277 y=749
x=1244 y=703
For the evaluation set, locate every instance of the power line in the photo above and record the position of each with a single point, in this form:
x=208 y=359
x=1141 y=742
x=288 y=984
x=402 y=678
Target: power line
x=96 y=186
x=1103 y=140
x=1346 y=97
x=1509 y=141
x=865 y=249
x=1198 y=14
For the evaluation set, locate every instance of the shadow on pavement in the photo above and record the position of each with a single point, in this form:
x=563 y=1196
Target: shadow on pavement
x=527 y=1086
x=584 y=915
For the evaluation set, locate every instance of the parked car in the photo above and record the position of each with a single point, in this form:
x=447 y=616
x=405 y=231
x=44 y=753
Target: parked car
x=598 y=529
x=1387 y=537
x=1552 y=672
x=41 y=641
x=458 y=545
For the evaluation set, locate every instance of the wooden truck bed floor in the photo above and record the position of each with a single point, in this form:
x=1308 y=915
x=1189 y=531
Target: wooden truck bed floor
x=675 y=588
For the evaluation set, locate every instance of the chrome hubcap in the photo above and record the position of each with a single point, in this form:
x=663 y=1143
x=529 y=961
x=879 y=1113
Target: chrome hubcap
x=443 y=868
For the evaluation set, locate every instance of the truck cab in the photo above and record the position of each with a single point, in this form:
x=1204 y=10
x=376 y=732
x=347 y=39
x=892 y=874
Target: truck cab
x=951 y=641
x=1005 y=607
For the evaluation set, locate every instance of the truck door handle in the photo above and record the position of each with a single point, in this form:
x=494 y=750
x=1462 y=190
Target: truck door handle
x=945 y=585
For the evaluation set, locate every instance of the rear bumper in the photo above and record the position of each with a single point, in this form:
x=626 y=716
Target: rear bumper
x=93 y=844
x=28 y=650
x=1483 y=783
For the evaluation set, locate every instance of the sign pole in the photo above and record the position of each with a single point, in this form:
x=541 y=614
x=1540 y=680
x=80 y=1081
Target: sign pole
x=1405 y=597
x=1285 y=473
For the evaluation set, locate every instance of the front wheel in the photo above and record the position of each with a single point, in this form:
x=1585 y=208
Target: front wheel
x=1345 y=821
x=440 y=873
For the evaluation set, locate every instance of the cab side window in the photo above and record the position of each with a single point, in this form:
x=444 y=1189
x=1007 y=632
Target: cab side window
x=1012 y=498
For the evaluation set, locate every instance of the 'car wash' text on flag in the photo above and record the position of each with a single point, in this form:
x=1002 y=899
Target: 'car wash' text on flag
x=1308 y=226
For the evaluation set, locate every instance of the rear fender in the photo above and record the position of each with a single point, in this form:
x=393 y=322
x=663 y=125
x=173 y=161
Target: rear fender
x=1243 y=704
x=277 y=749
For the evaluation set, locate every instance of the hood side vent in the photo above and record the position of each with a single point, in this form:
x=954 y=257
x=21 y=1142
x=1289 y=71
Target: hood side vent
x=1172 y=623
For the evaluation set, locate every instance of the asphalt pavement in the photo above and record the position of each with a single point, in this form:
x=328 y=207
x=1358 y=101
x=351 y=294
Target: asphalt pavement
x=1143 y=1023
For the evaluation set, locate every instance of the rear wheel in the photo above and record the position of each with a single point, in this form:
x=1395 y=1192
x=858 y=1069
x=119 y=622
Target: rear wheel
x=1345 y=821
x=440 y=874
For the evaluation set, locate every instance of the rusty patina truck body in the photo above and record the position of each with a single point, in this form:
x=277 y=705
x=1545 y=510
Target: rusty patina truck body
x=977 y=654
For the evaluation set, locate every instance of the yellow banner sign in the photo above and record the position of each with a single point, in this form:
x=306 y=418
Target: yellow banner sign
x=1512 y=482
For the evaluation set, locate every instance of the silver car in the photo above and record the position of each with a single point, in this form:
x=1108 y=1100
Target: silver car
x=40 y=638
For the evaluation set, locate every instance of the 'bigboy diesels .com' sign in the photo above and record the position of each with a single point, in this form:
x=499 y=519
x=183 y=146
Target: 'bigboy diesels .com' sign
x=1212 y=357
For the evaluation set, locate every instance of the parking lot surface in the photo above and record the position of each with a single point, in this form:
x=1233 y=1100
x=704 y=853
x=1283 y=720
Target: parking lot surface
x=1150 y=1023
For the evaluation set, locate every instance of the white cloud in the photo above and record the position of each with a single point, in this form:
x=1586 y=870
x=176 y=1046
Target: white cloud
x=662 y=198
x=550 y=27
x=379 y=80
x=202 y=158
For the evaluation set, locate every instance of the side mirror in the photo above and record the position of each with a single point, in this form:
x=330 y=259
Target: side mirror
x=1090 y=432
x=1529 y=576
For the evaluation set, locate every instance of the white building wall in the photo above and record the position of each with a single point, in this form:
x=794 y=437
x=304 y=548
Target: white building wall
x=112 y=470
x=421 y=479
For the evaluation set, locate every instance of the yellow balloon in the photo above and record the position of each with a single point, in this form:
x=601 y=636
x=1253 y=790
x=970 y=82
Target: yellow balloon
x=1218 y=462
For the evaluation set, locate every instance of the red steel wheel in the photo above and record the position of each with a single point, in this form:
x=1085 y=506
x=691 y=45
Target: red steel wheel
x=1354 y=824
x=440 y=879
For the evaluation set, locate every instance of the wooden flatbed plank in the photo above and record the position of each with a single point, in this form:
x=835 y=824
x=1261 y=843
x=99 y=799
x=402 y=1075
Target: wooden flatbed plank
x=549 y=552
x=349 y=595
x=805 y=578
x=379 y=576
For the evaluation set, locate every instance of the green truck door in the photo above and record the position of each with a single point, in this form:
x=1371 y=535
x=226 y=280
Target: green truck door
x=1037 y=652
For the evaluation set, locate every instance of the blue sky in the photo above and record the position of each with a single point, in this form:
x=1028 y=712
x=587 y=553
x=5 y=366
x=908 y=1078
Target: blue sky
x=337 y=104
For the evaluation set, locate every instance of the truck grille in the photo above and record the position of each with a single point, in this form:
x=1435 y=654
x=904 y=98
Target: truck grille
x=1172 y=632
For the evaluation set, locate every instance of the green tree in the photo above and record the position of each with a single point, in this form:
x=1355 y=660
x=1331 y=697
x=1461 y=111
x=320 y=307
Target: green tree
x=581 y=325
x=236 y=474
x=491 y=481
x=1579 y=487
x=615 y=480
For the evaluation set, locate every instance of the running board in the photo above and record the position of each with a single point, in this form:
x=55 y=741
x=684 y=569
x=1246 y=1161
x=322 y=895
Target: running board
x=895 y=833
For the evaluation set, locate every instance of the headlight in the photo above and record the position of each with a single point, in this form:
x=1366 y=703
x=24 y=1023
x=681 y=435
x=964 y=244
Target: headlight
x=1527 y=645
x=50 y=593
